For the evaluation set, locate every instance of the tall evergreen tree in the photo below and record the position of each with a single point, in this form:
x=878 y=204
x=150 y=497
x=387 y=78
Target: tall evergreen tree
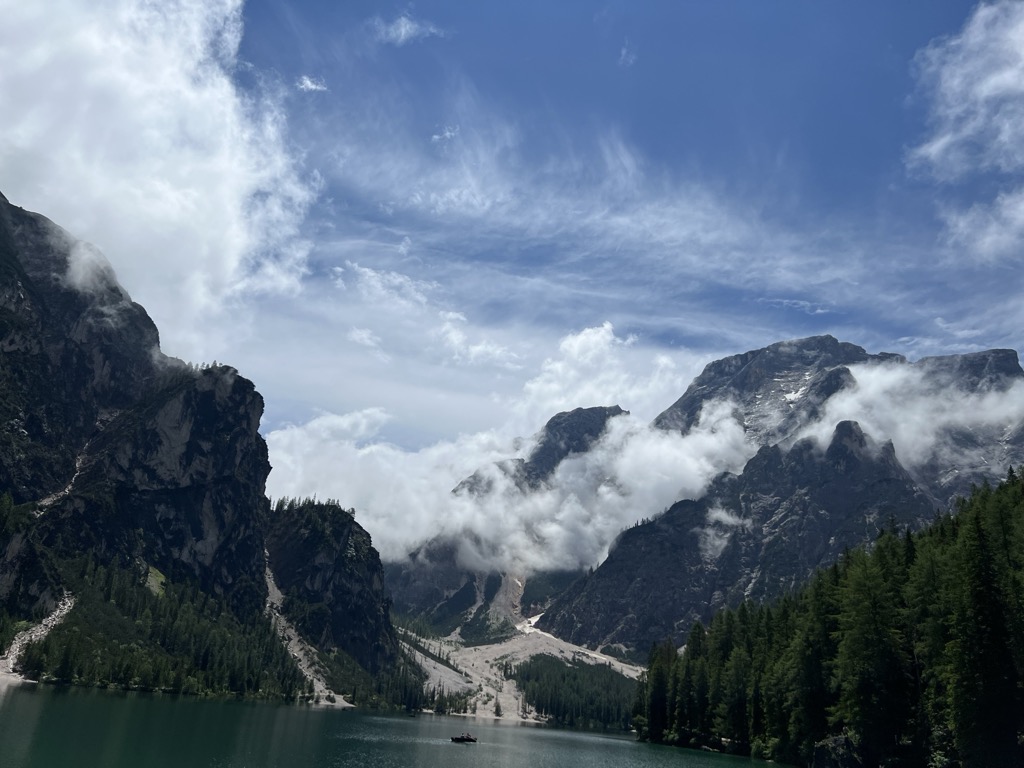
x=985 y=708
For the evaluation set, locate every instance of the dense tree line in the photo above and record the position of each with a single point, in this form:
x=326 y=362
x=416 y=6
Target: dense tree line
x=908 y=653
x=576 y=695
x=444 y=702
x=400 y=686
x=130 y=631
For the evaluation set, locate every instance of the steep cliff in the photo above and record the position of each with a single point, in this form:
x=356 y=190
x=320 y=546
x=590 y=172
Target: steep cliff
x=120 y=460
x=332 y=580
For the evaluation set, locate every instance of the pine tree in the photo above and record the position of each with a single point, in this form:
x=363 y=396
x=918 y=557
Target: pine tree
x=985 y=699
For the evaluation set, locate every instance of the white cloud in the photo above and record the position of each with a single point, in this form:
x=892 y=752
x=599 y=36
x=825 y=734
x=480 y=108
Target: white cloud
x=446 y=134
x=123 y=123
x=807 y=307
x=88 y=269
x=311 y=84
x=465 y=351
x=385 y=287
x=715 y=534
x=975 y=82
x=597 y=367
x=403 y=497
x=990 y=231
x=588 y=205
x=364 y=337
x=404 y=29
x=627 y=56
x=917 y=411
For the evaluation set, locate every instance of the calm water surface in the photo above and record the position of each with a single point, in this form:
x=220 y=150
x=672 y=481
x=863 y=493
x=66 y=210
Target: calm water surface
x=47 y=727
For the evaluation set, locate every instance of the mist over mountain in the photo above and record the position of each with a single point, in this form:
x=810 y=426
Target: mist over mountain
x=849 y=444
x=769 y=466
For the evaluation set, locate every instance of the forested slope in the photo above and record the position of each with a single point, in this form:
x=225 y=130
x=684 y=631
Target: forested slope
x=910 y=653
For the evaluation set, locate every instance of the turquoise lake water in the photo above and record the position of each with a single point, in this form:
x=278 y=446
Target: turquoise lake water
x=50 y=728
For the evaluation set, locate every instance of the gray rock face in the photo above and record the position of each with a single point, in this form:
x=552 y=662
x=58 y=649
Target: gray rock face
x=795 y=506
x=753 y=535
x=566 y=434
x=333 y=581
x=775 y=389
x=122 y=453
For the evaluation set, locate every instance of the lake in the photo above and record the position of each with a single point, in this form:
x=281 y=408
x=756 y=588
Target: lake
x=49 y=727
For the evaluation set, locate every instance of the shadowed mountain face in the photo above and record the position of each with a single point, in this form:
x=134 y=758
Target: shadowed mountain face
x=798 y=504
x=75 y=350
x=566 y=434
x=123 y=455
x=844 y=443
x=754 y=535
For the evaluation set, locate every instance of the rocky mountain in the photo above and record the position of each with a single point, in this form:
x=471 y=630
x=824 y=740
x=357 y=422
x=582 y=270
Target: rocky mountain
x=332 y=580
x=777 y=391
x=114 y=454
x=433 y=585
x=799 y=502
x=755 y=535
x=844 y=443
x=565 y=434
x=774 y=391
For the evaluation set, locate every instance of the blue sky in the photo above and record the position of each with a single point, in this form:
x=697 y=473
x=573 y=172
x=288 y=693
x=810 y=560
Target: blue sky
x=427 y=227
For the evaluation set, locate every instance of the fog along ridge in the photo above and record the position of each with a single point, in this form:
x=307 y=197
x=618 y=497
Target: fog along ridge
x=770 y=464
x=850 y=443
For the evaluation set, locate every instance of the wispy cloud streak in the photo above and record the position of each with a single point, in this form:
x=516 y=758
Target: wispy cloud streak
x=403 y=30
x=975 y=81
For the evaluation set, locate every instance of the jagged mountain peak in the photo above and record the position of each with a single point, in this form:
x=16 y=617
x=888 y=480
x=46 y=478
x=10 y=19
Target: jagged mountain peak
x=771 y=388
x=565 y=434
x=975 y=371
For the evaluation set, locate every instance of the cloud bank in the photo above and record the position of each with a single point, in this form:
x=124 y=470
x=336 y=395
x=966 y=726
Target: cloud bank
x=124 y=123
x=919 y=411
x=404 y=497
x=975 y=81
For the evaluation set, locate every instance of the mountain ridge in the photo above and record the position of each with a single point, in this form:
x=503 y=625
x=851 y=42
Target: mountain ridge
x=122 y=464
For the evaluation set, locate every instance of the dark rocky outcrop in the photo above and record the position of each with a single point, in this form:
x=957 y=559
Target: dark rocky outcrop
x=74 y=350
x=565 y=434
x=177 y=482
x=754 y=535
x=112 y=451
x=332 y=580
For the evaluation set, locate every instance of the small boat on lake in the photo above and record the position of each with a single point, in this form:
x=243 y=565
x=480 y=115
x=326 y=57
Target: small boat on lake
x=464 y=739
